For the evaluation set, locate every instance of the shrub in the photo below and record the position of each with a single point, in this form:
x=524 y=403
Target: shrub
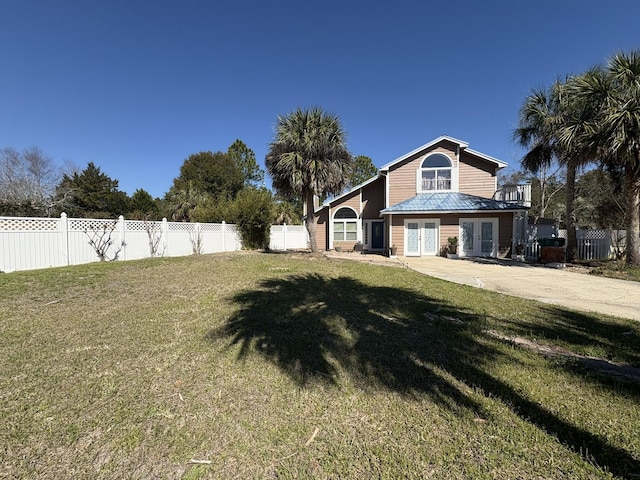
x=254 y=211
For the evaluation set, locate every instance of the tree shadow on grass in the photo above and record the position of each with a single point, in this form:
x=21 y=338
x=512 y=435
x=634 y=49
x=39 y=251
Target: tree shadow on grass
x=581 y=332
x=313 y=328
x=317 y=329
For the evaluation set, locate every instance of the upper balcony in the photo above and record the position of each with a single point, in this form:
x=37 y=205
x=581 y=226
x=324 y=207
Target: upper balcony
x=518 y=194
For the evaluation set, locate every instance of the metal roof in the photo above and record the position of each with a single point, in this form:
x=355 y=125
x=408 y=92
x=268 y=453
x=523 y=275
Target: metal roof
x=450 y=202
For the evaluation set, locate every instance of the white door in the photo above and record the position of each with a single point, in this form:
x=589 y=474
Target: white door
x=412 y=239
x=479 y=237
x=430 y=238
x=421 y=237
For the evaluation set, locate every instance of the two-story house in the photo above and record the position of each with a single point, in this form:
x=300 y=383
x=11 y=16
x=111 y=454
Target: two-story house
x=416 y=202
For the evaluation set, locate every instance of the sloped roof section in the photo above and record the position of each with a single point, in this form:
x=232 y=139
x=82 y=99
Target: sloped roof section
x=463 y=146
x=329 y=201
x=450 y=202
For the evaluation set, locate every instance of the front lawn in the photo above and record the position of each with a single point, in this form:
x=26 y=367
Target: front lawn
x=253 y=365
x=613 y=269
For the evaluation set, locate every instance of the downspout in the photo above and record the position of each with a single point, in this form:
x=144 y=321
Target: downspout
x=329 y=228
x=456 y=171
x=360 y=236
x=389 y=236
x=514 y=230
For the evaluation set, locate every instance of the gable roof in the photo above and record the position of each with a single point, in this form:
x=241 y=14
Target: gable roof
x=329 y=201
x=450 y=202
x=460 y=143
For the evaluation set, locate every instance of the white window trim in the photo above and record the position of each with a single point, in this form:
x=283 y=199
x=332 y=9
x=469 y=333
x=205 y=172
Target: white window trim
x=454 y=175
x=367 y=226
x=356 y=220
x=477 y=221
x=421 y=222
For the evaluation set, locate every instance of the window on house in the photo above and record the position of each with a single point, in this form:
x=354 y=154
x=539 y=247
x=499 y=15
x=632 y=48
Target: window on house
x=435 y=173
x=345 y=225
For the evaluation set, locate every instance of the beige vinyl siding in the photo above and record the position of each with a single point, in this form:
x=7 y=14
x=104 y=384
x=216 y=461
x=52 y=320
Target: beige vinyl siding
x=352 y=200
x=402 y=182
x=373 y=199
x=345 y=246
x=505 y=228
x=322 y=230
x=397 y=234
x=403 y=177
x=476 y=177
x=449 y=227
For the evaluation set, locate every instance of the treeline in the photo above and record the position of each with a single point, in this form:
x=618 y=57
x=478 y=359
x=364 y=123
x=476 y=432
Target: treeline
x=210 y=187
x=599 y=197
x=589 y=119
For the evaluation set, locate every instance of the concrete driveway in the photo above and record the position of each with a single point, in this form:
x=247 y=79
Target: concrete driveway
x=562 y=287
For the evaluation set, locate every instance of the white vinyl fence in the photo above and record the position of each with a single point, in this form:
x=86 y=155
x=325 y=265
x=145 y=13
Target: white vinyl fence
x=32 y=243
x=288 y=237
x=598 y=244
x=591 y=244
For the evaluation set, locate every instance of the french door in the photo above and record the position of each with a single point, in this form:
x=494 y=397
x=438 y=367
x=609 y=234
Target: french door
x=422 y=237
x=479 y=237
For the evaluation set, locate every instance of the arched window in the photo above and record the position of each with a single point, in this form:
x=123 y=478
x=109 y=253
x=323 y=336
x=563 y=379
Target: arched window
x=345 y=225
x=435 y=173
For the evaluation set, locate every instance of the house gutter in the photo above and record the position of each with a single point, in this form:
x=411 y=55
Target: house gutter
x=445 y=212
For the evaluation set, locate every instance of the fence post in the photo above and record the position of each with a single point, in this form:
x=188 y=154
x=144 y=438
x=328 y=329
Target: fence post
x=284 y=235
x=224 y=234
x=164 y=231
x=123 y=243
x=197 y=233
x=64 y=231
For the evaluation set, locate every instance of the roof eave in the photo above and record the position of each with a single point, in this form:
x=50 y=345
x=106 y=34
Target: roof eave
x=445 y=212
x=424 y=147
x=342 y=195
x=463 y=145
x=499 y=163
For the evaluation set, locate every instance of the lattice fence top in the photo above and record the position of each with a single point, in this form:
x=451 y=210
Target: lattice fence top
x=593 y=234
x=211 y=227
x=92 y=224
x=181 y=227
x=142 y=226
x=11 y=224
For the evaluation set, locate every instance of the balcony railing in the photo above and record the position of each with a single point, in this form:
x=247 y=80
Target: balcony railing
x=519 y=194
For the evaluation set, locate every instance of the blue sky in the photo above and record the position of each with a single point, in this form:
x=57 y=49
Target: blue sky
x=138 y=86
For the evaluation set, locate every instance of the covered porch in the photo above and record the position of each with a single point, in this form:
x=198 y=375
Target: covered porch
x=426 y=224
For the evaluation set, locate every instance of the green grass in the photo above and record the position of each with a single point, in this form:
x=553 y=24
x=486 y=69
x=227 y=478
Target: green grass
x=132 y=369
x=612 y=269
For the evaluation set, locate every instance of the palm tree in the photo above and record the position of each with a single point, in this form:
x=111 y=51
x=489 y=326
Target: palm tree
x=308 y=157
x=541 y=116
x=534 y=134
x=615 y=131
x=552 y=125
x=574 y=122
x=182 y=201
